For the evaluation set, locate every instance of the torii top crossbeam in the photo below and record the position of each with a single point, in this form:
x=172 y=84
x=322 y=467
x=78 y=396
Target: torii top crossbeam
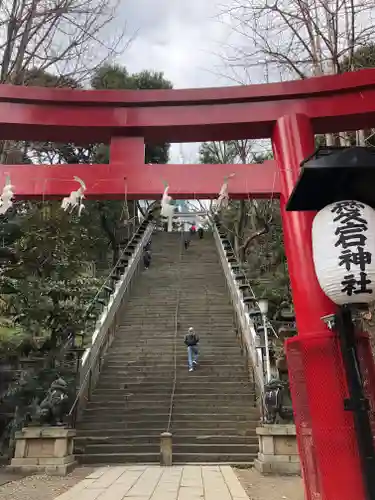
x=126 y=119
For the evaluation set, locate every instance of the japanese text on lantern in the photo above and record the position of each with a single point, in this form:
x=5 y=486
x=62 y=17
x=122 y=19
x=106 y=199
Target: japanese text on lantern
x=351 y=239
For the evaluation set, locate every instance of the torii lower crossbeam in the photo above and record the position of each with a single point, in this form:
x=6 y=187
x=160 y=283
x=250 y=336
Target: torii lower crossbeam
x=143 y=182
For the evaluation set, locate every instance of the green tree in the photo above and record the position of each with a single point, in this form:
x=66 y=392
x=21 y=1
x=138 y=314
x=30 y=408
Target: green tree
x=47 y=289
x=363 y=57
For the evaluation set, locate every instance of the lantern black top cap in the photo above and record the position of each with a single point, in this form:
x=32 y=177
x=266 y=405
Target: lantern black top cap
x=332 y=174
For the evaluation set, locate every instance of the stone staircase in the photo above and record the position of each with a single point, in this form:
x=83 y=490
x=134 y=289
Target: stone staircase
x=214 y=416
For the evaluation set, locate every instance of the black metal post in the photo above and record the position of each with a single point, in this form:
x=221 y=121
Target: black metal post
x=357 y=402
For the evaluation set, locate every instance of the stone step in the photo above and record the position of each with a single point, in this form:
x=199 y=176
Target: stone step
x=138 y=327
x=128 y=416
x=160 y=371
x=184 y=312
x=110 y=376
x=185 y=387
x=123 y=401
x=180 y=433
x=151 y=438
x=185 y=458
x=135 y=409
x=141 y=334
x=126 y=396
x=214 y=296
x=165 y=358
x=165 y=333
x=157 y=297
x=213 y=355
x=149 y=423
x=195 y=376
x=150 y=370
x=156 y=329
x=163 y=352
x=113 y=400
x=209 y=348
x=115 y=383
x=128 y=361
x=246 y=402
x=203 y=320
x=196 y=448
x=120 y=350
x=163 y=355
x=222 y=308
x=206 y=374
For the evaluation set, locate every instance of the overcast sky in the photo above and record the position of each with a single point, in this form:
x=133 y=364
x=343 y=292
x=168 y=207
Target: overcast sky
x=182 y=38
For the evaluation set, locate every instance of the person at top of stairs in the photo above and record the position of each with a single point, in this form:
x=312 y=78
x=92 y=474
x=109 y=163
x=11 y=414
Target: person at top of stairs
x=192 y=341
x=146 y=258
x=187 y=241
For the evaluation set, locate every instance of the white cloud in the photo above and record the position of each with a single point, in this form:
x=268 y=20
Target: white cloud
x=179 y=37
x=182 y=38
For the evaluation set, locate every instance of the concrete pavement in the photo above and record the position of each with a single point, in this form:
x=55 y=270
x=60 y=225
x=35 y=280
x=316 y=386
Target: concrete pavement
x=141 y=482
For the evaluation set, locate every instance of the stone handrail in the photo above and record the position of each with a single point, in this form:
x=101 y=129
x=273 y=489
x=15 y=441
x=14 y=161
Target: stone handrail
x=92 y=359
x=244 y=323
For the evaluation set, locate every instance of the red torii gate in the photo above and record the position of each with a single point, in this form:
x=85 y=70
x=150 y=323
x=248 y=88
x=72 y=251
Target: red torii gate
x=289 y=113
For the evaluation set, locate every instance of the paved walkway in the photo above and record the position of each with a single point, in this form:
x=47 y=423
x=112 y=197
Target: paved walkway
x=159 y=483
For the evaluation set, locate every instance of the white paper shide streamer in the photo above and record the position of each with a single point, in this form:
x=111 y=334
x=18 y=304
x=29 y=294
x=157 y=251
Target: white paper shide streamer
x=343 y=241
x=167 y=210
x=223 y=200
x=74 y=200
x=6 y=198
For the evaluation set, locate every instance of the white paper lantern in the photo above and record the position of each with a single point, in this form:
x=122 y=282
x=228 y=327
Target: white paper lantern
x=343 y=242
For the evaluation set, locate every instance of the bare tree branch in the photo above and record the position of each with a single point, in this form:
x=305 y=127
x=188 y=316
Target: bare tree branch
x=297 y=38
x=63 y=36
x=308 y=37
x=69 y=38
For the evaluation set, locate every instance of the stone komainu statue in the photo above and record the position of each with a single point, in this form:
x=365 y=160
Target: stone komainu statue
x=277 y=402
x=54 y=406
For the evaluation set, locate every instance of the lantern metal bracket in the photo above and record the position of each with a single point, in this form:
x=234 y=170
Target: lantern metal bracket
x=357 y=402
x=329 y=320
x=361 y=405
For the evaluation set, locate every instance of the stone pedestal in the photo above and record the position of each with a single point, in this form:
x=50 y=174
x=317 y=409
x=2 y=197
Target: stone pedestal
x=44 y=450
x=278 y=451
x=166 y=449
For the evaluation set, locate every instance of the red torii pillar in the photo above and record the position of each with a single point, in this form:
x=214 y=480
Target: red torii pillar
x=326 y=437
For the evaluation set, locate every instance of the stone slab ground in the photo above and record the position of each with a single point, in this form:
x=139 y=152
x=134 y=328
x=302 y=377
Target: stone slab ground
x=155 y=483
x=159 y=483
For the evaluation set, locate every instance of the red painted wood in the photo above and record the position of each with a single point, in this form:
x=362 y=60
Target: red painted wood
x=336 y=84
x=143 y=181
x=317 y=378
x=127 y=149
x=333 y=103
